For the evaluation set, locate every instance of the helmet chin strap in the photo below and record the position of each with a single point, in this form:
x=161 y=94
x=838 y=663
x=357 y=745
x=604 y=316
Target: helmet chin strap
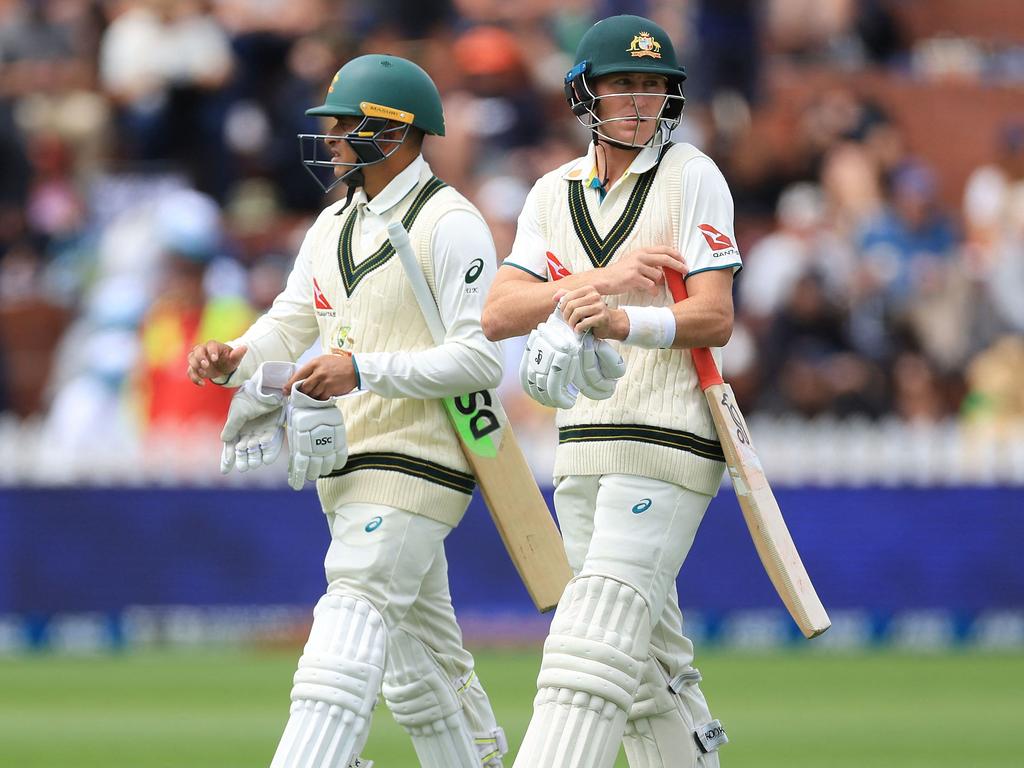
x=597 y=146
x=354 y=179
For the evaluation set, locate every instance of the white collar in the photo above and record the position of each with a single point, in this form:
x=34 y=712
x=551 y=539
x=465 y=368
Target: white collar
x=397 y=188
x=583 y=168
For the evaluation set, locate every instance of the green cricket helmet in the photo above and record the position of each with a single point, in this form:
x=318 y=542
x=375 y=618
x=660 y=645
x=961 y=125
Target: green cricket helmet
x=625 y=44
x=391 y=95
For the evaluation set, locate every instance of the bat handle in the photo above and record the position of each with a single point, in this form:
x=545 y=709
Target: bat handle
x=707 y=371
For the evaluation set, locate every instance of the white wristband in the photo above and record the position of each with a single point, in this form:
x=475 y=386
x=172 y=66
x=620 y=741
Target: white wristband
x=650 y=327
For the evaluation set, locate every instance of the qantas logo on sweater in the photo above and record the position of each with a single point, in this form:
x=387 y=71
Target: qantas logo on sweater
x=716 y=239
x=555 y=268
x=320 y=303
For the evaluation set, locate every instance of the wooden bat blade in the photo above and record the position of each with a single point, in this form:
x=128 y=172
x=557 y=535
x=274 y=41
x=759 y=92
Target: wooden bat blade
x=516 y=505
x=523 y=521
x=505 y=479
x=764 y=519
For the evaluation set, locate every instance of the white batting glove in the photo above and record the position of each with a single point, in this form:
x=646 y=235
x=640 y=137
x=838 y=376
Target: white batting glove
x=600 y=368
x=317 y=445
x=551 y=363
x=254 y=431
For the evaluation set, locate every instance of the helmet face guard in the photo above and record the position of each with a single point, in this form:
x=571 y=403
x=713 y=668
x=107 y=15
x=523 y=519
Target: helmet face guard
x=372 y=141
x=584 y=104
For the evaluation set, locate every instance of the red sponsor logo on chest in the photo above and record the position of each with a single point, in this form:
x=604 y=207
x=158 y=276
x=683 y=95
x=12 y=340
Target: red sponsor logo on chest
x=319 y=300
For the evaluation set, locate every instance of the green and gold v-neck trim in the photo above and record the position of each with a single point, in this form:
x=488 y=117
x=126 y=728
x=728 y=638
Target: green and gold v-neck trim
x=353 y=274
x=599 y=249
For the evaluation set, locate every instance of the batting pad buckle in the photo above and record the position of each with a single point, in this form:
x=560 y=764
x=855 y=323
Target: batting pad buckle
x=710 y=736
x=360 y=763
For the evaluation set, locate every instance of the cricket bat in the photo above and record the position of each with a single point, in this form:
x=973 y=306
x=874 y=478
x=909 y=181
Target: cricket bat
x=506 y=481
x=760 y=509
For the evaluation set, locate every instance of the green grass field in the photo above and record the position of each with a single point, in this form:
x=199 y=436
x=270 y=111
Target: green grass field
x=226 y=709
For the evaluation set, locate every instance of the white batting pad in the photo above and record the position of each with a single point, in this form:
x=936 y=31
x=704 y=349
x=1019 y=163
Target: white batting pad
x=427 y=705
x=336 y=685
x=589 y=675
x=669 y=724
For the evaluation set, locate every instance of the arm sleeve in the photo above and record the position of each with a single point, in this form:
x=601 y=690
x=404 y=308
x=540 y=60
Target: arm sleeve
x=707 y=238
x=529 y=250
x=464 y=267
x=288 y=328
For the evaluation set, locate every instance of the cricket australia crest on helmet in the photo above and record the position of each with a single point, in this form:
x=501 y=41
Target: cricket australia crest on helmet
x=644 y=44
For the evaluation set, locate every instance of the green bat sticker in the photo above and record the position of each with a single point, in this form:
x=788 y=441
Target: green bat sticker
x=476 y=420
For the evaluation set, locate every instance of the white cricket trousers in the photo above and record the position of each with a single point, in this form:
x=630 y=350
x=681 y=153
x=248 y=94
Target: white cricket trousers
x=396 y=561
x=639 y=531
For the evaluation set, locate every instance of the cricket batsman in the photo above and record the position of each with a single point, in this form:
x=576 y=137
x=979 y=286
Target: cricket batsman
x=390 y=475
x=638 y=458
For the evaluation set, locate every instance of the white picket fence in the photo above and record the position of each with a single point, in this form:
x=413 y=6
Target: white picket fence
x=795 y=452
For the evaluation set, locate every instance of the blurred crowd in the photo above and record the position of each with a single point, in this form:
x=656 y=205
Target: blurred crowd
x=151 y=193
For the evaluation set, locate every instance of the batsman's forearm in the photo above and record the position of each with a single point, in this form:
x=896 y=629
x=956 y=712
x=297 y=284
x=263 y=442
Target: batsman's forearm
x=451 y=369
x=271 y=339
x=701 y=322
x=516 y=307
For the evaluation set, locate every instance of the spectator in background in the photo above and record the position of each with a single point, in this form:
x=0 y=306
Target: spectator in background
x=497 y=107
x=88 y=384
x=995 y=397
x=919 y=391
x=164 y=62
x=182 y=316
x=55 y=210
x=839 y=115
x=910 y=247
x=802 y=244
x=912 y=239
x=728 y=48
x=841 y=32
x=990 y=195
x=994 y=252
x=285 y=52
x=45 y=77
x=813 y=368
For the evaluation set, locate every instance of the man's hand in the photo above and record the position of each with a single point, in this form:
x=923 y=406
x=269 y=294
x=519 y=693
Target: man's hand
x=317 y=445
x=213 y=360
x=325 y=376
x=551 y=363
x=640 y=270
x=254 y=431
x=585 y=310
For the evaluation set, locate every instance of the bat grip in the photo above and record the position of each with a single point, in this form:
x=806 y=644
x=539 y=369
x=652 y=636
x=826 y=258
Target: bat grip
x=707 y=371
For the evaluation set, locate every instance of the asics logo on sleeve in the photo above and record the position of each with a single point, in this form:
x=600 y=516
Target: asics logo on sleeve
x=474 y=271
x=716 y=239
